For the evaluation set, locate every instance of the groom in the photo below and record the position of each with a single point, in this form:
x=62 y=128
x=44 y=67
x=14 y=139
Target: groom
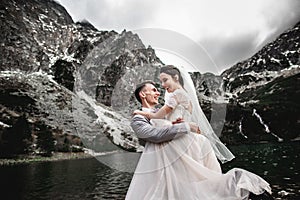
x=147 y=94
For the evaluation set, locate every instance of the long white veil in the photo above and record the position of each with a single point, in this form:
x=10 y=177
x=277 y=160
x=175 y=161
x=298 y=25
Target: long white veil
x=221 y=151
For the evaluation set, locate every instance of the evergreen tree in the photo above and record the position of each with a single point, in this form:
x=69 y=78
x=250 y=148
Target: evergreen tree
x=16 y=139
x=45 y=141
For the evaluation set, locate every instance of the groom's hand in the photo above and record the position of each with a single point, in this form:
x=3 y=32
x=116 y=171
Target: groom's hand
x=178 y=120
x=194 y=127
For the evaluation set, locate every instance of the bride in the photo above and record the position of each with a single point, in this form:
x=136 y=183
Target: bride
x=187 y=167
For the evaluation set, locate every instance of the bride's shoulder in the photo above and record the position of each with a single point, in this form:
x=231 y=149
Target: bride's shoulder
x=178 y=96
x=180 y=93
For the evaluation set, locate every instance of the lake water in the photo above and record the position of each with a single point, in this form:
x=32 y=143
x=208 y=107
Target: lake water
x=90 y=179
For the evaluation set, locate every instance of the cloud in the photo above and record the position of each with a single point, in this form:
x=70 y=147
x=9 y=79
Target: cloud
x=112 y=14
x=226 y=51
x=230 y=47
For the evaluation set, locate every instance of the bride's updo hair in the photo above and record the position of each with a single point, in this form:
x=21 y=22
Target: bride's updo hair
x=172 y=71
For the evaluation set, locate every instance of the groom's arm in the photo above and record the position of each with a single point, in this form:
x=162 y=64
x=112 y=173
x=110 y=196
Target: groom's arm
x=145 y=131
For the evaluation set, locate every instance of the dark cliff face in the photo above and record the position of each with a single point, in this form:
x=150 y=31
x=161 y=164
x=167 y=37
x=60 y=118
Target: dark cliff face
x=30 y=32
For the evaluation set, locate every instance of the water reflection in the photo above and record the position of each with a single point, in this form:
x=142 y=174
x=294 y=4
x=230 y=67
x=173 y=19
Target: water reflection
x=91 y=179
x=75 y=179
x=277 y=163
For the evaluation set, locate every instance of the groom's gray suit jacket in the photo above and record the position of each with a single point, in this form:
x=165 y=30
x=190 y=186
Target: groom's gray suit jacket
x=148 y=133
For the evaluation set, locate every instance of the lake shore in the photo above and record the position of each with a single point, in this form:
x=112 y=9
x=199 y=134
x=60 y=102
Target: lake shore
x=58 y=156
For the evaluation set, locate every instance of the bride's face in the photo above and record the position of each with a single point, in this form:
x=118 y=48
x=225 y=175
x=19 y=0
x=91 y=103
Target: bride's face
x=168 y=82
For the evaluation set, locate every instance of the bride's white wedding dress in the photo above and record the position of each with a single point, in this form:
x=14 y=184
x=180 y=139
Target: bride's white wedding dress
x=187 y=167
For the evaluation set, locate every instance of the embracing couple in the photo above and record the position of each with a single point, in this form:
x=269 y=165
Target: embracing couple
x=180 y=158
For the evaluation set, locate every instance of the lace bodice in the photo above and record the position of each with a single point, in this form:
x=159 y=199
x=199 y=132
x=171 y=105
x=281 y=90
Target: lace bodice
x=181 y=104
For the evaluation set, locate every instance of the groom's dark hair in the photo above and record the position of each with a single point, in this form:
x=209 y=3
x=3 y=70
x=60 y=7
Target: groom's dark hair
x=139 y=87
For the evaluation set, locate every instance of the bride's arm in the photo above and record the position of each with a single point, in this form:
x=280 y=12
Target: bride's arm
x=160 y=114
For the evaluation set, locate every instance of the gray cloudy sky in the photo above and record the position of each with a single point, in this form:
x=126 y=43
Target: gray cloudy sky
x=228 y=30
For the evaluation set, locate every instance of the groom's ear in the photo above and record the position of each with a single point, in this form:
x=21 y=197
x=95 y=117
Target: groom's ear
x=142 y=94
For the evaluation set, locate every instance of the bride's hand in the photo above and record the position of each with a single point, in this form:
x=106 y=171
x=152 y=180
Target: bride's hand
x=136 y=112
x=139 y=112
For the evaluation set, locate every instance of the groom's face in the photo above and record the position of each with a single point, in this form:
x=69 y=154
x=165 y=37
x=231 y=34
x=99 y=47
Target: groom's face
x=151 y=94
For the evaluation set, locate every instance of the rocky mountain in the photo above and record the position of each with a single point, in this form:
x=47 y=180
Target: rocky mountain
x=66 y=86
x=57 y=77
